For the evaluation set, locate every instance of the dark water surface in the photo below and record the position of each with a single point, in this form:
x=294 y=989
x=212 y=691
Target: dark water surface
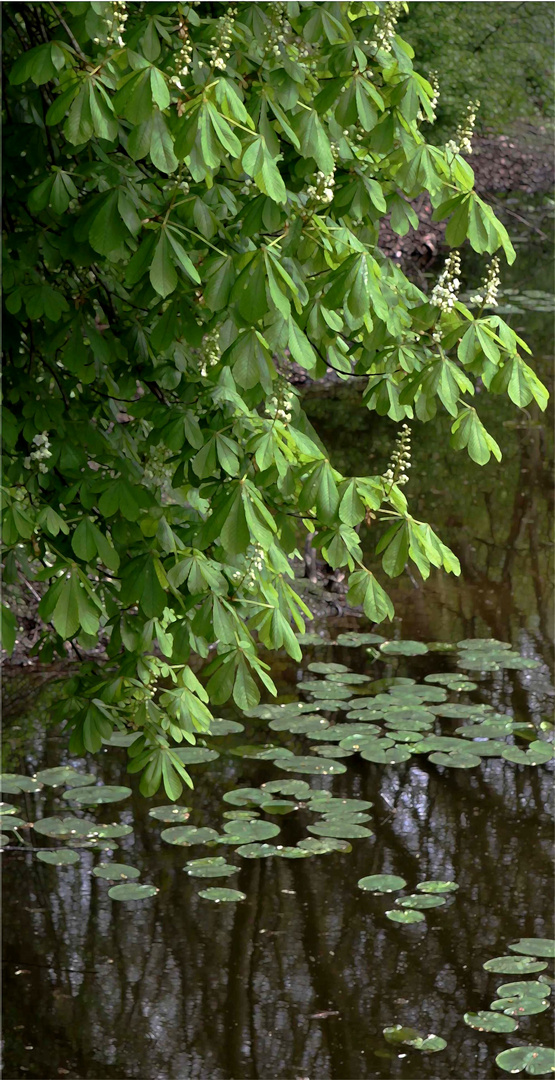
x=299 y=980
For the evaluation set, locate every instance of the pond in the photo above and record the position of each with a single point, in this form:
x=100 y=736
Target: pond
x=301 y=978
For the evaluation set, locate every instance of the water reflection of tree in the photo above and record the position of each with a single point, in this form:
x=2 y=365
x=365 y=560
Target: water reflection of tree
x=180 y=988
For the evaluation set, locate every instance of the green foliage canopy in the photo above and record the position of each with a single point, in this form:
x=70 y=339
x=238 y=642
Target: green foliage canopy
x=193 y=196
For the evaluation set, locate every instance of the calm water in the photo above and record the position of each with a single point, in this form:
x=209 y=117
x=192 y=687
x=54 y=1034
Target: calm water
x=299 y=980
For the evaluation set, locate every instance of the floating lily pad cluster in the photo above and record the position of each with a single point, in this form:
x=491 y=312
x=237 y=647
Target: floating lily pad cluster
x=409 y=909
x=77 y=833
x=338 y=821
x=388 y=721
x=528 y=956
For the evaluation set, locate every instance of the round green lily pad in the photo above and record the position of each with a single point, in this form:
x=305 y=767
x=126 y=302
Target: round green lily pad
x=324 y=669
x=538 y=753
x=340 y=828
x=9 y=822
x=245 y=832
x=410 y=1037
x=224 y=870
x=116 y=871
x=170 y=813
x=312 y=766
x=95 y=796
x=437 y=886
x=66 y=828
x=392 y=756
x=298 y=788
x=455 y=760
x=15 y=783
x=403 y=648
x=185 y=835
x=65 y=774
x=535 y=1060
x=514 y=965
x=225 y=727
x=520 y=1006
x=244 y=796
x=525 y=989
x=420 y=902
x=381 y=883
x=353 y=639
x=405 y=917
x=489 y=1021
x=132 y=892
x=256 y=851
x=195 y=755
x=7 y=808
x=324 y=845
x=222 y=896
x=58 y=858
x=535 y=947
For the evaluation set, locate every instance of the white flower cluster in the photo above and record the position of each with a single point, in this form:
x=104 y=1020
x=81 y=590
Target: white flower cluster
x=279 y=406
x=322 y=188
x=385 y=26
x=255 y=562
x=116 y=24
x=462 y=143
x=279 y=31
x=182 y=58
x=490 y=286
x=245 y=189
x=41 y=454
x=396 y=472
x=446 y=289
x=211 y=351
x=221 y=51
x=434 y=100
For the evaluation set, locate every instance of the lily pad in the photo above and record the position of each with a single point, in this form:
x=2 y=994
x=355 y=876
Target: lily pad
x=437 y=886
x=312 y=766
x=15 y=783
x=535 y=1060
x=514 y=965
x=278 y=806
x=455 y=760
x=170 y=813
x=245 y=832
x=524 y=989
x=186 y=835
x=482 y=643
x=244 y=796
x=365 y=742
x=195 y=755
x=405 y=917
x=325 y=669
x=241 y=815
x=65 y=774
x=95 y=796
x=9 y=822
x=324 y=845
x=223 y=896
x=336 y=805
x=132 y=892
x=58 y=858
x=298 y=788
x=284 y=851
x=218 y=726
x=535 y=947
x=393 y=756
x=398 y=1034
x=538 y=753
x=521 y=1006
x=222 y=870
x=267 y=752
x=489 y=1021
x=420 y=902
x=7 y=808
x=301 y=725
x=325 y=690
x=340 y=828
x=256 y=851
x=403 y=648
x=355 y=639
x=471 y=662
x=349 y=678
x=108 y=832
x=63 y=828
x=116 y=871
x=381 y=883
